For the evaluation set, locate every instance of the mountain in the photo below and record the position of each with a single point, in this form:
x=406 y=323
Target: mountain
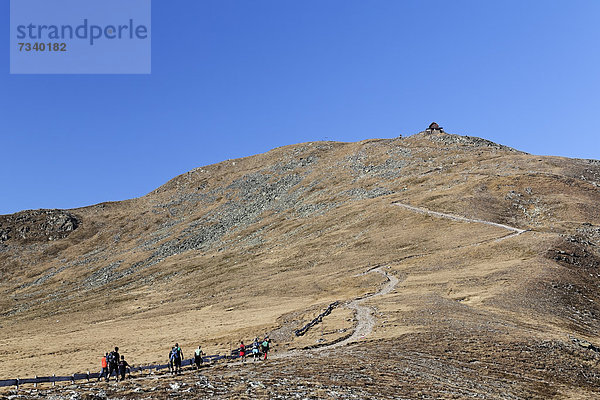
x=489 y=255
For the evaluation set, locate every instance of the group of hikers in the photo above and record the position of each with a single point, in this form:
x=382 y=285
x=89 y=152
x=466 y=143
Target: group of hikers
x=176 y=355
x=113 y=362
x=257 y=349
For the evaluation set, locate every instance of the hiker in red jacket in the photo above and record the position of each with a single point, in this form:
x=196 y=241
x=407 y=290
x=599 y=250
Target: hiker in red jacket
x=243 y=351
x=104 y=364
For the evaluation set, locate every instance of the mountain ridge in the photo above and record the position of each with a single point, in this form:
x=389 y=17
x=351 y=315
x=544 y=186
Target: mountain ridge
x=264 y=243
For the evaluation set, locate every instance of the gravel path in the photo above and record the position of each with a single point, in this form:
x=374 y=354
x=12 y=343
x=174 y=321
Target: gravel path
x=453 y=217
x=364 y=314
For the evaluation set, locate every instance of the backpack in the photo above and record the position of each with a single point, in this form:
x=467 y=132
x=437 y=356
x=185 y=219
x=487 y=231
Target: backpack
x=112 y=359
x=265 y=345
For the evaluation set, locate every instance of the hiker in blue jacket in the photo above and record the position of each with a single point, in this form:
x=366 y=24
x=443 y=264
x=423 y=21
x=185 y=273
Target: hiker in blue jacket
x=175 y=358
x=171 y=359
x=255 y=350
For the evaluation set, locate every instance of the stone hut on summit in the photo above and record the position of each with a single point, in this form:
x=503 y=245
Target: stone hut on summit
x=434 y=128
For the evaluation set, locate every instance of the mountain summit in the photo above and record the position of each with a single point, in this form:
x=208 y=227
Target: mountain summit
x=484 y=260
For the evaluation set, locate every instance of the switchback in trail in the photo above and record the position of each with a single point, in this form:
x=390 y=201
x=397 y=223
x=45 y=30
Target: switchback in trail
x=365 y=320
x=364 y=314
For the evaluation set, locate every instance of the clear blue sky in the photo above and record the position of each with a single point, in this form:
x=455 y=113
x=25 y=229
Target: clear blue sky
x=235 y=78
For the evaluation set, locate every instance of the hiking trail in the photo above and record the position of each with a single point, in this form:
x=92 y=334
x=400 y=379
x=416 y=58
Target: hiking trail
x=364 y=314
x=453 y=217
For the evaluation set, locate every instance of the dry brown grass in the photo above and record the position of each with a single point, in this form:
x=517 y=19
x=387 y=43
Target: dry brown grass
x=453 y=274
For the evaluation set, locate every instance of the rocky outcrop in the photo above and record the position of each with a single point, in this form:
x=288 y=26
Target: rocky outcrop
x=37 y=225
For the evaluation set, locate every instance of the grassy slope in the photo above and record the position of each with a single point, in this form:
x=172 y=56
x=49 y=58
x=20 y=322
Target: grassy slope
x=264 y=243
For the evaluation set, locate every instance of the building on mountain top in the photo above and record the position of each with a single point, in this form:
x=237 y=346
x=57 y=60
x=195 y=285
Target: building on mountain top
x=434 y=127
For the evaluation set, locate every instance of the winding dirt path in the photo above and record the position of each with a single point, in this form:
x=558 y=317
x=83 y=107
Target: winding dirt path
x=364 y=314
x=453 y=217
